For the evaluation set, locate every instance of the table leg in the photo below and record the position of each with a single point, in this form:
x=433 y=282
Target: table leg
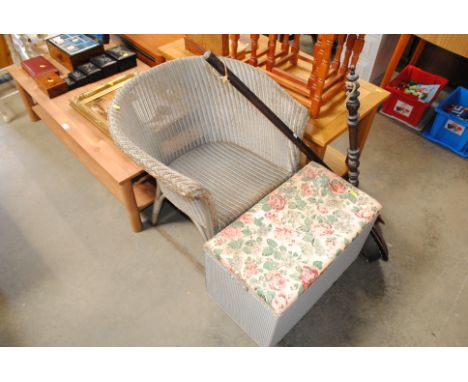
x=28 y=103
x=397 y=53
x=319 y=150
x=417 y=51
x=364 y=127
x=128 y=198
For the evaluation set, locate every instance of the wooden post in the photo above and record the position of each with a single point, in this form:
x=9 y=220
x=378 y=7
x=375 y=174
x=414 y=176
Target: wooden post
x=253 y=46
x=397 y=53
x=295 y=49
x=285 y=45
x=271 y=52
x=318 y=53
x=340 y=39
x=349 y=49
x=357 y=48
x=28 y=103
x=129 y=201
x=5 y=55
x=319 y=73
x=417 y=52
x=352 y=104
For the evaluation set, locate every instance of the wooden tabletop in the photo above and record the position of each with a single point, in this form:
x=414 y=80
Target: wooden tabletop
x=98 y=146
x=332 y=121
x=455 y=43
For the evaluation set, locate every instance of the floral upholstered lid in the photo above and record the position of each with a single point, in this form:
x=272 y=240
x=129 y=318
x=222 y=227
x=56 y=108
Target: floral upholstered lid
x=281 y=245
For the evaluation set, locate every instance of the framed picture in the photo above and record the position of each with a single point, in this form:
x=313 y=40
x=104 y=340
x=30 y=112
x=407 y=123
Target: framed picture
x=94 y=104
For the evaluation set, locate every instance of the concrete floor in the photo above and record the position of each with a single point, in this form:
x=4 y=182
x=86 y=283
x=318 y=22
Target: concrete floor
x=72 y=272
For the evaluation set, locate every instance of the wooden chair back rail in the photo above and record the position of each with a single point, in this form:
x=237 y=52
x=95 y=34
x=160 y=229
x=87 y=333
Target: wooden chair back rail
x=262 y=53
x=331 y=81
x=284 y=59
x=295 y=49
x=308 y=59
x=290 y=77
x=289 y=82
x=332 y=91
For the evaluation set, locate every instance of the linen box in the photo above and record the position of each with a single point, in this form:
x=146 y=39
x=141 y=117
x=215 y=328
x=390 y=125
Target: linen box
x=270 y=266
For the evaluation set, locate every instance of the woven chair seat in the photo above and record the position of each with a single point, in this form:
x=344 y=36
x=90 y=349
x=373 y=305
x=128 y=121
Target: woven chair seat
x=237 y=178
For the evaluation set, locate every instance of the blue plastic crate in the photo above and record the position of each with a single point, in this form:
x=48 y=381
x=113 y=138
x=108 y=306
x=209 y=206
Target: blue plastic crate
x=448 y=130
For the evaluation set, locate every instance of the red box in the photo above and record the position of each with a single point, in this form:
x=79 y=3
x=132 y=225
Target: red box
x=38 y=66
x=407 y=107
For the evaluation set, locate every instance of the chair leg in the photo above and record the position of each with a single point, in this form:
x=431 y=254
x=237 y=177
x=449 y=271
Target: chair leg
x=206 y=232
x=158 y=201
x=202 y=231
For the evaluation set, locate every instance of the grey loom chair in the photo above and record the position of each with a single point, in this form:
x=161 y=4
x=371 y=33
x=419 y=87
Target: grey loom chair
x=212 y=153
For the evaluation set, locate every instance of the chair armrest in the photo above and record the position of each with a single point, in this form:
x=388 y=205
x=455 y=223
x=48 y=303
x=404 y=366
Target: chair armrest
x=176 y=181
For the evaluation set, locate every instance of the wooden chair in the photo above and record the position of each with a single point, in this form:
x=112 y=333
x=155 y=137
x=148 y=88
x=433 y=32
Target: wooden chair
x=332 y=56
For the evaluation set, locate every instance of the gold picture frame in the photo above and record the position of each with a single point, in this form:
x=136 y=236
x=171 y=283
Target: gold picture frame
x=94 y=104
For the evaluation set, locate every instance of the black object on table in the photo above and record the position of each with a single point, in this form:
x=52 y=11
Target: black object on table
x=125 y=58
x=70 y=83
x=91 y=71
x=108 y=65
x=79 y=78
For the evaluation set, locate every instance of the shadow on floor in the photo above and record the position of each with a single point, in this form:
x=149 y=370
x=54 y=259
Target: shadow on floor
x=335 y=319
x=23 y=269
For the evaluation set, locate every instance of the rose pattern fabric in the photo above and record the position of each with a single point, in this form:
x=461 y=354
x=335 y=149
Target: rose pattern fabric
x=281 y=245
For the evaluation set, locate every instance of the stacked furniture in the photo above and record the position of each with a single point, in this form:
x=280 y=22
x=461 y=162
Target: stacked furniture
x=331 y=121
x=329 y=64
